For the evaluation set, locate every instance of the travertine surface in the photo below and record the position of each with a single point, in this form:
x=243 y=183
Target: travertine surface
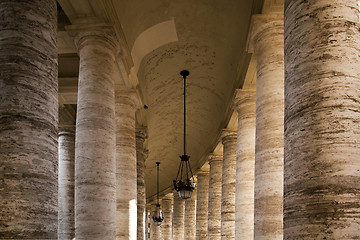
x=244 y=104
x=140 y=134
x=190 y=217
x=167 y=210
x=322 y=93
x=178 y=217
x=229 y=139
x=155 y=228
x=214 y=204
x=28 y=120
x=268 y=41
x=202 y=205
x=127 y=103
x=66 y=181
x=95 y=182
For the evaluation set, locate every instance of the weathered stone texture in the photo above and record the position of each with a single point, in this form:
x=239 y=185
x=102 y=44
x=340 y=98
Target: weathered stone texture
x=66 y=181
x=28 y=119
x=214 y=204
x=95 y=182
x=190 y=217
x=166 y=225
x=229 y=138
x=245 y=102
x=127 y=103
x=202 y=205
x=268 y=41
x=178 y=217
x=140 y=170
x=322 y=93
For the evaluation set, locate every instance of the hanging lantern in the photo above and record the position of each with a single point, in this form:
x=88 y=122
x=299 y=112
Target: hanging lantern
x=158 y=218
x=184 y=183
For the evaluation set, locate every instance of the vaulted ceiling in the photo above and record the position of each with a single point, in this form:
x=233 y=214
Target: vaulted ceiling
x=159 y=39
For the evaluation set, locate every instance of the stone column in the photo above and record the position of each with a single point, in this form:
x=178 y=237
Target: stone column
x=215 y=179
x=141 y=194
x=190 y=217
x=95 y=188
x=155 y=230
x=202 y=205
x=268 y=43
x=245 y=101
x=229 y=138
x=28 y=120
x=178 y=217
x=322 y=102
x=127 y=102
x=167 y=210
x=66 y=208
x=148 y=213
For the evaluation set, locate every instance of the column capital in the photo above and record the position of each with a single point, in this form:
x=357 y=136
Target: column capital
x=202 y=173
x=263 y=24
x=128 y=96
x=168 y=196
x=98 y=34
x=228 y=135
x=141 y=133
x=68 y=130
x=244 y=96
x=214 y=157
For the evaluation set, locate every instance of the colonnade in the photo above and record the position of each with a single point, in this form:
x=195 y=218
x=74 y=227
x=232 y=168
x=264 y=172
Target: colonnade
x=290 y=170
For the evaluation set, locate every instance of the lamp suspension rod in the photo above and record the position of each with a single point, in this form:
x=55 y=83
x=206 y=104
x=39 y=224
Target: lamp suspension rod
x=184 y=115
x=157 y=163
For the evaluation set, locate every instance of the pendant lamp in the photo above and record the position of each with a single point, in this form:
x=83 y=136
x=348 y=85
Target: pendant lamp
x=158 y=218
x=184 y=183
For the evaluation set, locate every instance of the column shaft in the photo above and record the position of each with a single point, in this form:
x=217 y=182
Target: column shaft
x=178 y=217
x=190 y=217
x=214 y=216
x=202 y=205
x=166 y=225
x=228 y=184
x=66 y=207
x=268 y=40
x=322 y=101
x=95 y=203
x=126 y=176
x=245 y=102
x=141 y=194
x=28 y=120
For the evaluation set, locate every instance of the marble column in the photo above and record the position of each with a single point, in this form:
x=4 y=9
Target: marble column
x=127 y=102
x=155 y=228
x=141 y=194
x=202 y=205
x=214 y=204
x=244 y=104
x=95 y=183
x=190 y=217
x=28 y=120
x=229 y=138
x=66 y=181
x=178 y=217
x=268 y=44
x=167 y=210
x=322 y=102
